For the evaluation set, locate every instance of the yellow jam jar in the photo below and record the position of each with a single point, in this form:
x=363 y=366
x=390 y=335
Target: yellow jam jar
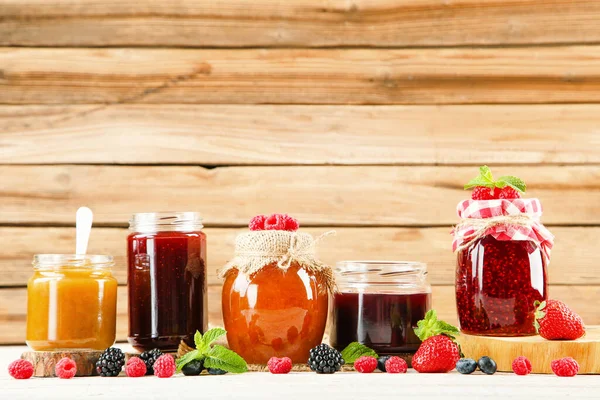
x=71 y=302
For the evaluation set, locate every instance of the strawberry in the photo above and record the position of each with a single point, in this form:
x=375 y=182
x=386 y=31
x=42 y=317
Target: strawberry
x=485 y=187
x=554 y=320
x=438 y=352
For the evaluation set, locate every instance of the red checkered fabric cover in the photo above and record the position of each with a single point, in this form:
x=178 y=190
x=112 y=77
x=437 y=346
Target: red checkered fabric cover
x=482 y=209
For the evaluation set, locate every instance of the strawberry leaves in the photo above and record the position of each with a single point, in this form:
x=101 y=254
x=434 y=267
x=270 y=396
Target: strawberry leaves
x=486 y=179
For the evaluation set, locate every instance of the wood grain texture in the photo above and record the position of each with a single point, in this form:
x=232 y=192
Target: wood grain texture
x=300 y=76
x=13 y=305
x=44 y=362
x=298 y=134
x=541 y=352
x=319 y=196
x=429 y=245
x=227 y=23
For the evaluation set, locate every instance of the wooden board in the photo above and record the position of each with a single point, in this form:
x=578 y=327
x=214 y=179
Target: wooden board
x=300 y=76
x=13 y=302
x=297 y=23
x=318 y=196
x=541 y=352
x=44 y=362
x=430 y=245
x=300 y=134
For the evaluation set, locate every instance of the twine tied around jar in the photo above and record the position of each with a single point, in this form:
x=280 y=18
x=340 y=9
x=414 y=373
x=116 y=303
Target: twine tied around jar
x=257 y=249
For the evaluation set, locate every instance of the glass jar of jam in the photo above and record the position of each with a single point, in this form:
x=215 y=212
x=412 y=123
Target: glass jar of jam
x=378 y=304
x=275 y=296
x=71 y=302
x=167 y=285
x=501 y=266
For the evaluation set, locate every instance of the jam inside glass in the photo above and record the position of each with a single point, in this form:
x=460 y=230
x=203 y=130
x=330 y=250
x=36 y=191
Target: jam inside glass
x=274 y=313
x=167 y=288
x=497 y=283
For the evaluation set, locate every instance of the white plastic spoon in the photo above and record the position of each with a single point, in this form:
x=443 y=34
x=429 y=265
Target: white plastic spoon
x=83 y=226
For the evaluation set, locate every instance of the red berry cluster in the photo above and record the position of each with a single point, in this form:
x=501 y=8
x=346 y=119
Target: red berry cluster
x=274 y=222
x=485 y=193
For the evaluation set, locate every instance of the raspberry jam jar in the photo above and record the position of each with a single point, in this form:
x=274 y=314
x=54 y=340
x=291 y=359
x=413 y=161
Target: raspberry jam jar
x=502 y=255
x=71 y=302
x=378 y=304
x=166 y=279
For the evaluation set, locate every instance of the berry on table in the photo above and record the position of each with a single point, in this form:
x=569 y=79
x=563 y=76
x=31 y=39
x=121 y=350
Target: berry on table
x=193 y=368
x=164 y=367
x=149 y=358
x=381 y=363
x=554 y=320
x=396 y=365
x=521 y=366
x=20 y=369
x=484 y=193
x=438 y=352
x=565 y=367
x=216 y=371
x=487 y=365
x=135 y=367
x=65 y=368
x=325 y=360
x=279 y=365
x=466 y=366
x=257 y=223
x=365 y=364
x=508 y=193
x=111 y=362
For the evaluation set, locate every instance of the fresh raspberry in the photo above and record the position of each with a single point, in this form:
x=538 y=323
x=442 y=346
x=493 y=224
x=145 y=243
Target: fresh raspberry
x=565 y=367
x=65 y=368
x=135 y=367
x=164 y=366
x=365 y=364
x=257 y=223
x=291 y=224
x=521 y=366
x=484 y=193
x=396 y=365
x=279 y=365
x=20 y=369
x=275 y=222
x=509 y=193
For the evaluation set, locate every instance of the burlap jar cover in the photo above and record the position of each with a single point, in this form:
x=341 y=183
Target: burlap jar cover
x=257 y=249
x=503 y=219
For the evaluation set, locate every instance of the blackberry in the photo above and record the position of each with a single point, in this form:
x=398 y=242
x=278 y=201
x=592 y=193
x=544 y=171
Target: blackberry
x=216 y=371
x=381 y=363
x=111 y=362
x=194 y=367
x=466 y=366
x=487 y=365
x=325 y=360
x=149 y=357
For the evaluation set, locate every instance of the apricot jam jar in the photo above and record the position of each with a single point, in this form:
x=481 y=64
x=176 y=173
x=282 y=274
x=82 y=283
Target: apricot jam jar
x=502 y=255
x=166 y=254
x=71 y=302
x=275 y=296
x=378 y=303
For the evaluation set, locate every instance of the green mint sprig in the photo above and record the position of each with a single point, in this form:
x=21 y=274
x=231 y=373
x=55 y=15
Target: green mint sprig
x=215 y=356
x=486 y=179
x=431 y=326
x=355 y=350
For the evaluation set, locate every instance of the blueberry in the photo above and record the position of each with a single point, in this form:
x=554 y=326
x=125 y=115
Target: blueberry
x=466 y=366
x=381 y=363
x=216 y=371
x=487 y=365
x=194 y=367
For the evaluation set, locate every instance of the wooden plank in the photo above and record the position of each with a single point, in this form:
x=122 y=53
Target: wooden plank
x=234 y=23
x=323 y=196
x=299 y=134
x=13 y=307
x=300 y=76
x=430 y=245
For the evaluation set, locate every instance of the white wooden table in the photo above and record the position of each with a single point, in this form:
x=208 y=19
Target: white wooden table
x=302 y=386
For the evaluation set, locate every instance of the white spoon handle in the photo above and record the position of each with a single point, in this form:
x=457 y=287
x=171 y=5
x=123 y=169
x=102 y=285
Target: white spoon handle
x=83 y=226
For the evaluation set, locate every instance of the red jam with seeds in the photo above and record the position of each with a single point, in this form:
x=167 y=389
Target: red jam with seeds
x=497 y=283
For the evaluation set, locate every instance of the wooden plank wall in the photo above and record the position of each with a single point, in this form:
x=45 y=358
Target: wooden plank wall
x=363 y=116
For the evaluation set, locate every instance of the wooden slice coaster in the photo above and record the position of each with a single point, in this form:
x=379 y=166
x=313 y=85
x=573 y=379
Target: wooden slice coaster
x=45 y=361
x=539 y=351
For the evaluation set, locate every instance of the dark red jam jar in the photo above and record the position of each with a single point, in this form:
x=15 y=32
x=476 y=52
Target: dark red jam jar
x=378 y=304
x=166 y=279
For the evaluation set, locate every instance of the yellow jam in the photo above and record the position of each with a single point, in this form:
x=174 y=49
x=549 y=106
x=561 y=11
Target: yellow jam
x=71 y=307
